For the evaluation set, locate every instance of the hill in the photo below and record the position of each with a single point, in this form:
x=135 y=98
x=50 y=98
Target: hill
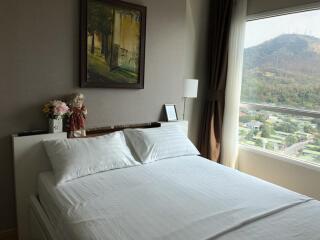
x=283 y=71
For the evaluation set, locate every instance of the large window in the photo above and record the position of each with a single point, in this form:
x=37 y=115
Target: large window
x=280 y=96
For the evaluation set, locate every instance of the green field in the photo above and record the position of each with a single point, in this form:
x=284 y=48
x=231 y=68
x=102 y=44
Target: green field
x=293 y=140
x=98 y=67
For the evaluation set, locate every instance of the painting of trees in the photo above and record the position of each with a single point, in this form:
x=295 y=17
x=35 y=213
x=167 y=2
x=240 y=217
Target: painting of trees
x=114 y=44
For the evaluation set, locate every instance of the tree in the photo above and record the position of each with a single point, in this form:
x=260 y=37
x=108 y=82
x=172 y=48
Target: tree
x=290 y=140
x=261 y=117
x=100 y=21
x=259 y=142
x=266 y=131
x=316 y=121
x=308 y=128
x=317 y=142
x=245 y=118
x=288 y=127
x=250 y=135
x=270 y=146
x=92 y=23
x=105 y=28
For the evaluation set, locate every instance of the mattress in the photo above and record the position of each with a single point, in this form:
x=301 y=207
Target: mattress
x=177 y=198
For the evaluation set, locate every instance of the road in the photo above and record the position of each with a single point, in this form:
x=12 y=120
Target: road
x=295 y=148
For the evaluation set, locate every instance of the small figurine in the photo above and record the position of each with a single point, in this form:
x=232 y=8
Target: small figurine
x=77 y=118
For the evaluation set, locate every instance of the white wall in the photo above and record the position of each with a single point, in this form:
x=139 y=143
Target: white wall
x=293 y=175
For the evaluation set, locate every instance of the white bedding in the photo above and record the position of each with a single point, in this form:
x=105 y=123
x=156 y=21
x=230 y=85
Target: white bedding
x=181 y=198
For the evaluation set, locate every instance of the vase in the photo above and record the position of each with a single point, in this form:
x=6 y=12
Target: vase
x=55 y=125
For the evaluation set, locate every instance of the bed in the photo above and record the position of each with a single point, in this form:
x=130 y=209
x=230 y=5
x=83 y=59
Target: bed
x=187 y=197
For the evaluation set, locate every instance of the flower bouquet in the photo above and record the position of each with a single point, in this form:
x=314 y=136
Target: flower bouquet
x=55 y=110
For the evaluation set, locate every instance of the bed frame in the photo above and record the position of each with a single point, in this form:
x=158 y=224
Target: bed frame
x=29 y=160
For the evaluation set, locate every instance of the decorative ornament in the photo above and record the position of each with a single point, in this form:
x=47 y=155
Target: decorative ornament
x=77 y=116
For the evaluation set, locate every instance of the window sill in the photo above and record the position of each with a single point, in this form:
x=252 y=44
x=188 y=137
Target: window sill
x=279 y=157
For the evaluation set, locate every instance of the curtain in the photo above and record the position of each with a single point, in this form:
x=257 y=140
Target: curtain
x=212 y=118
x=229 y=151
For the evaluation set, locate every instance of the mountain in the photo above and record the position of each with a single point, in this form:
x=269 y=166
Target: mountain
x=288 y=53
x=289 y=66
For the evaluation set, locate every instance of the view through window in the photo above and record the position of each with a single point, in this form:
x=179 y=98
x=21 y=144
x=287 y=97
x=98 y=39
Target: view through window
x=280 y=95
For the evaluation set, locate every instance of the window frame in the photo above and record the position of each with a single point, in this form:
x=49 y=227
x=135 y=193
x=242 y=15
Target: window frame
x=272 y=108
x=284 y=11
x=280 y=157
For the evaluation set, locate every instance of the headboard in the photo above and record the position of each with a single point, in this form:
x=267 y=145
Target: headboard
x=30 y=159
x=105 y=130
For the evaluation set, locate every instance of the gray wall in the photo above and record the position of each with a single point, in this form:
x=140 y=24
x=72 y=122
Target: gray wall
x=39 y=62
x=196 y=60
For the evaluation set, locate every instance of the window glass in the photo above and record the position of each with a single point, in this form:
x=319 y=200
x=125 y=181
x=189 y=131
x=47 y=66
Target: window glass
x=282 y=69
x=282 y=61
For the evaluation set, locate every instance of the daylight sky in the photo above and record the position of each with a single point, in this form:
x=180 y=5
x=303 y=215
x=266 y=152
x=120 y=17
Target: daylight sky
x=265 y=29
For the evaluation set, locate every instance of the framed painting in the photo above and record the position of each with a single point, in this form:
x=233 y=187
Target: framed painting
x=112 y=44
x=171 y=112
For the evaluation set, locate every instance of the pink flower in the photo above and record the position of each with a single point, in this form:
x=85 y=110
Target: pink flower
x=56 y=109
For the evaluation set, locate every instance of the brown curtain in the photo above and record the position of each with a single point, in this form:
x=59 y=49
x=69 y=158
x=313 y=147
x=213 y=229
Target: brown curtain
x=212 y=119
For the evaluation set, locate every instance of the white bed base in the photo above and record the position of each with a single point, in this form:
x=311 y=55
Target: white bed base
x=40 y=225
x=30 y=159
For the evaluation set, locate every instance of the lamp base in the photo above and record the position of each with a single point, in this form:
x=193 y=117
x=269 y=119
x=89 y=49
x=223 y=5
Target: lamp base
x=184 y=108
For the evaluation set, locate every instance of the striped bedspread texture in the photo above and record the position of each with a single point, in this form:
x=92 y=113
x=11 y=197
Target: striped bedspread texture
x=183 y=198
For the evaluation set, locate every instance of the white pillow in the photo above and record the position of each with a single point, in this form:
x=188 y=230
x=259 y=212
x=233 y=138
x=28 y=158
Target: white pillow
x=74 y=158
x=154 y=144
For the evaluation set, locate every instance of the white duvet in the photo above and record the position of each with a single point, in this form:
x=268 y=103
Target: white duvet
x=179 y=198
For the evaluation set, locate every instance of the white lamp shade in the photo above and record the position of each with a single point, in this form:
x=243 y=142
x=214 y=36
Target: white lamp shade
x=190 y=88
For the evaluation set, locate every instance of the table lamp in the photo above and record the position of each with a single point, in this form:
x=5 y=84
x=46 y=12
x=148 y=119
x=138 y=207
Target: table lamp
x=190 y=91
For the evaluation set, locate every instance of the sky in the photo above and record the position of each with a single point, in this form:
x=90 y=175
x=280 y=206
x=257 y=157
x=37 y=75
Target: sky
x=262 y=30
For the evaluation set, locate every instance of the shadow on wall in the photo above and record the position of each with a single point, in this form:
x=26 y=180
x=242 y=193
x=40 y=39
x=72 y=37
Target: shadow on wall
x=7 y=190
x=196 y=60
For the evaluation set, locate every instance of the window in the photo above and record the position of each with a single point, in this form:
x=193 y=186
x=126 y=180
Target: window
x=280 y=95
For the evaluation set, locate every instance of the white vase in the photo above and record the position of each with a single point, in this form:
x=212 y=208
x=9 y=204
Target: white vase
x=55 y=125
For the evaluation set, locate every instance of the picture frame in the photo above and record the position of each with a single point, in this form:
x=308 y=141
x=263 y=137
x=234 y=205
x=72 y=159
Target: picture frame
x=112 y=47
x=170 y=112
